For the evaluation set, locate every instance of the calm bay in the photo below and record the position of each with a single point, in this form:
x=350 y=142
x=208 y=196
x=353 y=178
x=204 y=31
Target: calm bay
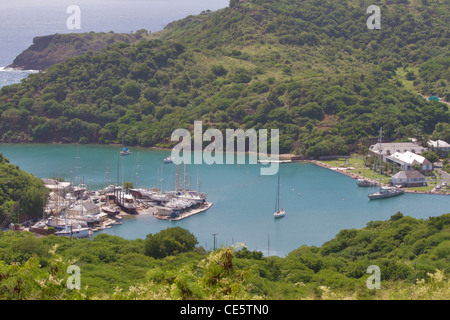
x=318 y=202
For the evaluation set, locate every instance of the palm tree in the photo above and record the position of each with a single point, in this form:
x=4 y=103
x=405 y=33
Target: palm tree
x=420 y=136
x=363 y=149
x=127 y=186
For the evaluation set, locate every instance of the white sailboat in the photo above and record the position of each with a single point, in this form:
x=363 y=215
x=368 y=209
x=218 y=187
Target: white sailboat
x=278 y=212
x=385 y=192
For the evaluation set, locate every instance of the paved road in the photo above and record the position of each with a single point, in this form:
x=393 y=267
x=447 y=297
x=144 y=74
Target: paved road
x=445 y=178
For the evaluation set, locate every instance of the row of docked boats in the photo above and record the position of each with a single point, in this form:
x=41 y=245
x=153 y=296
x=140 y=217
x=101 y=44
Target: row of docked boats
x=172 y=204
x=77 y=212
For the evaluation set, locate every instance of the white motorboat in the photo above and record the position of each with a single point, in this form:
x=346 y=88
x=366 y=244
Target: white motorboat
x=169 y=159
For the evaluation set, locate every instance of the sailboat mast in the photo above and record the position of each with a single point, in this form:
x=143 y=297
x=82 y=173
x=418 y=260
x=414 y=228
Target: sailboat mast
x=277 y=202
x=162 y=179
x=77 y=163
x=118 y=162
x=176 y=181
x=184 y=184
x=381 y=129
x=107 y=172
x=122 y=172
x=137 y=170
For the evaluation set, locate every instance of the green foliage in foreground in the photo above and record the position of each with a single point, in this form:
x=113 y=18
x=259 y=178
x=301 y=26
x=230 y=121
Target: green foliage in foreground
x=412 y=254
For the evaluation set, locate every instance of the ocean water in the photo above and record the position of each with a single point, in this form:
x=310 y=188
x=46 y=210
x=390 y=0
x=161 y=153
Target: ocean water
x=318 y=202
x=21 y=20
x=10 y=76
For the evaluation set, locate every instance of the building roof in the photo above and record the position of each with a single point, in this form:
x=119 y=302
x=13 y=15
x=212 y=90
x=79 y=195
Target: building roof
x=438 y=144
x=410 y=174
x=87 y=206
x=409 y=158
x=393 y=147
x=54 y=184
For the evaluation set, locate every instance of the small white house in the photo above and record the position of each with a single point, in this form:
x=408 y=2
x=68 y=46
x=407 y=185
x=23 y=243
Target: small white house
x=411 y=178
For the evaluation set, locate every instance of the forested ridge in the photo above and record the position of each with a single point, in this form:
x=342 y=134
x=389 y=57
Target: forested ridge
x=411 y=254
x=311 y=69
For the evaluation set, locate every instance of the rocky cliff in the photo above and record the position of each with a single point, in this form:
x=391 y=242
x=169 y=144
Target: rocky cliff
x=49 y=50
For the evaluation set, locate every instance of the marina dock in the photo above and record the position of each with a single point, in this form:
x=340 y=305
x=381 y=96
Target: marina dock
x=188 y=213
x=77 y=212
x=274 y=161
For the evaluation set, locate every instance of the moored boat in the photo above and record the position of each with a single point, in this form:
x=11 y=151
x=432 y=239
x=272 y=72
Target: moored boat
x=385 y=192
x=278 y=212
x=365 y=183
x=168 y=159
x=125 y=152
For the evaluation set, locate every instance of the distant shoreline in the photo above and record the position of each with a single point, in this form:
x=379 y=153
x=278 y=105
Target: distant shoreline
x=357 y=176
x=286 y=156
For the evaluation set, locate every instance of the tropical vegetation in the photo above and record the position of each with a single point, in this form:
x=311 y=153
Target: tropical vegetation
x=412 y=255
x=311 y=69
x=21 y=194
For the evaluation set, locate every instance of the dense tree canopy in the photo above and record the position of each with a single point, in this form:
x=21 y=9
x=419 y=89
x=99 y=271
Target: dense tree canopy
x=21 y=194
x=169 y=242
x=312 y=70
x=404 y=248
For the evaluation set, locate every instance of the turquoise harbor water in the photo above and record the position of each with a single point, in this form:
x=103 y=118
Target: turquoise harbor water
x=318 y=202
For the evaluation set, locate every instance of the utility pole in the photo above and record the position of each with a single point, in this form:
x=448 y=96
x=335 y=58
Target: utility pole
x=214 y=235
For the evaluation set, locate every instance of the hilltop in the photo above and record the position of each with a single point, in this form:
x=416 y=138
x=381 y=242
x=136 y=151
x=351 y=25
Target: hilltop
x=309 y=68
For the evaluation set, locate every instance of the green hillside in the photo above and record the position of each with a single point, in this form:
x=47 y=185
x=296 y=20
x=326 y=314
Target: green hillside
x=411 y=254
x=21 y=194
x=309 y=68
